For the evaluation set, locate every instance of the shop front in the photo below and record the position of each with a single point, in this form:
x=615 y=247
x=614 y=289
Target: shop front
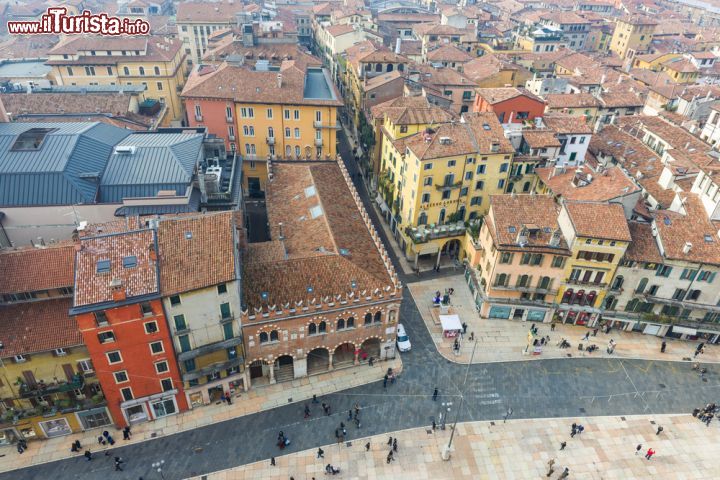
x=215 y=390
x=156 y=406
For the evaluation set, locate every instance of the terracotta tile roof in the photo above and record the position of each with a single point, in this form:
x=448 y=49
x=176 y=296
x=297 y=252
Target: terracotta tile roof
x=215 y=12
x=340 y=29
x=587 y=185
x=470 y=136
x=195 y=252
x=93 y=288
x=411 y=47
x=448 y=53
x=571 y=100
x=541 y=138
x=251 y=86
x=379 y=111
x=621 y=99
x=564 y=18
x=637 y=20
x=440 y=77
x=682 y=65
x=66 y=103
x=27 y=46
x=486 y=66
x=643 y=247
x=417 y=116
x=498 y=95
x=510 y=213
x=380 y=80
x=35 y=327
x=327 y=252
x=564 y=124
x=630 y=152
x=437 y=29
x=155 y=48
x=584 y=217
x=692 y=226
x=31 y=269
x=576 y=60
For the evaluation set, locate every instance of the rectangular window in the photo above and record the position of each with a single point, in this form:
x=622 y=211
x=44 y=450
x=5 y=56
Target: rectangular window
x=558 y=261
x=480 y=169
x=106 y=337
x=157 y=347
x=101 y=319
x=121 y=377
x=663 y=271
x=127 y=394
x=451 y=163
x=184 y=341
x=85 y=366
x=501 y=183
x=506 y=257
x=189 y=365
x=287 y=114
x=159 y=85
x=113 y=357
x=503 y=167
x=146 y=309
x=225 y=311
x=296 y=114
x=166 y=384
x=162 y=367
x=525 y=259
x=425 y=198
x=475 y=201
x=180 y=323
x=222 y=288
x=151 y=327
x=227 y=330
x=427 y=166
x=479 y=185
x=427 y=181
x=269 y=113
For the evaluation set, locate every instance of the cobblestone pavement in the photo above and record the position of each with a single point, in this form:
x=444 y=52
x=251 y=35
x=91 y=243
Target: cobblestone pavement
x=539 y=389
x=518 y=449
x=506 y=340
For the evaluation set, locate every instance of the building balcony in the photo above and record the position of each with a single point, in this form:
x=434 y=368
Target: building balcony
x=209 y=348
x=422 y=233
x=212 y=368
x=231 y=138
x=198 y=118
x=320 y=124
x=520 y=288
x=270 y=140
x=42 y=388
x=318 y=142
x=583 y=283
x=229 y=120
x=685 y=304
x=449 y=186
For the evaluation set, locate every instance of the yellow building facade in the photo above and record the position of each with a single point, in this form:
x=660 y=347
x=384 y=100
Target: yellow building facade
x=596 y=250
x=632 y=35
x=155 y=62
x=436 y=178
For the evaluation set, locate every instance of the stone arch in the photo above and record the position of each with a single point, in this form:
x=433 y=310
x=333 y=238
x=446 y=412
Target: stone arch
x=377 y=318
x=344 y=354
x=371 y=346
x=284 y=367
x=318 y=360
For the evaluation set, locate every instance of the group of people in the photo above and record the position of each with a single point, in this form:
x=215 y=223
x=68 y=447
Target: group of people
x=390 y=375
x=392 y=442
x=444 y=299
x=706 y=414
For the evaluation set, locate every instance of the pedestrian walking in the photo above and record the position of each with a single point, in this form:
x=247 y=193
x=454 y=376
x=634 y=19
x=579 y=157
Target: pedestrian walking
x=587 y=336
x=327 y=409
x=20 y=448
x=580 y=429
x=272 y=461
x=435 y=394
x=395 y=447
x=659 y=429
x=320 y=453
x=126 y=433
x=552 y=327
x=434 y=425
x=389 y=457
x=595 y=332
x=110 y=440
x=307 y=411
x=662 y=347
x=118 y=461
x=390 y=441
x=227 y=398
x=88 y=455
x=565 y=473
x=464 y=327
x=573 y=430
x=357 y=422
x=550 y=464
x=649 y=453
x=315 y=400
x=367 y=447
x=357 y=409
x=472 y=336
x=370 y=361
x=350 y=415
x=101 y=440
x=563 y=445
x=638 y=448
x=385 y=379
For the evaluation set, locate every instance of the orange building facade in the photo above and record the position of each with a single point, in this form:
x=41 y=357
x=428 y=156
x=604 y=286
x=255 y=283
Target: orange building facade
x=120 y=315
x=511 y=105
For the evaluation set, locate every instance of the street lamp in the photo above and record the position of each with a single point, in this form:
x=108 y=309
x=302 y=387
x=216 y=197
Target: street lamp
x=446 y=450
x=158 y=466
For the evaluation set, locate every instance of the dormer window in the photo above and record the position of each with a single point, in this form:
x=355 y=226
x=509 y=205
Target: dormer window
x=129 y=262
x=31 y=139
x=103 y=266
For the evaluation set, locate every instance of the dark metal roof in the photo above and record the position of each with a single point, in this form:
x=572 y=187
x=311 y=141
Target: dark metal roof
x=132 y=210
x=61 y=171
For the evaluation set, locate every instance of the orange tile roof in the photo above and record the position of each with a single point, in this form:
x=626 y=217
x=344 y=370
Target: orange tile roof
x=448 y=53
x=692 y=226
x=202 y=12
x=571 y=100
x=510 y=213
x=587 y=185
x=196 y=251
x=32 y=269
x=35 y=327
x=499 y=95
x=584 y=217
x=563 y=124
x=93 y=288
x=541 y=138
x=157 y=48
x=327 y=252
x=643 y=247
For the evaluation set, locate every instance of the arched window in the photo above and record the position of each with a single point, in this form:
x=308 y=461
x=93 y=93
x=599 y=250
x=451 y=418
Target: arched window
x=461 y=213
x=401 y=67
x=288 y=150
x=350 y=322
x=567 y=296
x=312 y=329
x=391 y=316
x=501 y=280
x=609 y=302
x=297 y=151
x=473 y=215
x=322 y=328
x=271 y=132
x=274 y=336
x=510 y=187
x=422 y=219
x=544 y=283
x=378 y=317
x=340 y=324
x=441 y=217
x=142 y=70
x=523 y=281
x=378 y=67
x=641 y=286
x=526 y=187
x=126 y=70
x=389 y=67
x=368 y=318
x=618 y=283
x=157 y=70
x=263 y=337
x=632 y=305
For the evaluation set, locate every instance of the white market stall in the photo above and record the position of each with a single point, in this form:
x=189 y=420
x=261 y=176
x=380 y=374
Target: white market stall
x=451 y=325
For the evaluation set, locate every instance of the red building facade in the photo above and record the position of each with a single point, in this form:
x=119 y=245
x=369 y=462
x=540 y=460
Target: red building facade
x=120 y=315
x=511 y=105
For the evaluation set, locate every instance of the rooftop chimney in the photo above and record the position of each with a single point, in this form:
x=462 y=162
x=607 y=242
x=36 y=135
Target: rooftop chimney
x=398 y=43
x=117 y=290
x=279 y=80
x=687 y=247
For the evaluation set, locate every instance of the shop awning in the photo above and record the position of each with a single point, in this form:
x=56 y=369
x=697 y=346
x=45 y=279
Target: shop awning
x=450 y=322
x=685 y=330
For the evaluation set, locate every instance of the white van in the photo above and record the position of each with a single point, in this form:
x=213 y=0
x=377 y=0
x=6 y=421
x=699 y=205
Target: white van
x=403 y=341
